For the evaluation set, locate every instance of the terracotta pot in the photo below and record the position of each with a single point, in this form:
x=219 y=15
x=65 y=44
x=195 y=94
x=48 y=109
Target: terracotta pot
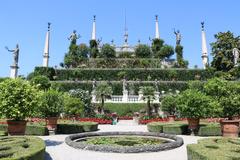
x=51 y=123
x=171 y=118
x=193 y=123
x=230 y=128
x=16 y=127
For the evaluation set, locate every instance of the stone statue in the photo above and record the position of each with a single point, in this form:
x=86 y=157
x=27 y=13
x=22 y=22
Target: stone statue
x=156 y=85
x=94 y=84
x=236 y=55
x=124 y=84
x=178 y=37
x=15 y=53
x=73 y=37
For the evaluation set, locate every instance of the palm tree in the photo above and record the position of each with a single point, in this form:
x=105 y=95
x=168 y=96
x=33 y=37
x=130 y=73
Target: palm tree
x=103 y=91
x=148 y=95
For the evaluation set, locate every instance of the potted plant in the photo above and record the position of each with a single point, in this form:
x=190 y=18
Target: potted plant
x=18 y=99
x=52 y=103
x=168 y=105
x=227 y=94
x=193 y=104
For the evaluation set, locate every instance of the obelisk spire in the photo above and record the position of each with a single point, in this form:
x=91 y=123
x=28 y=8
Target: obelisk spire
x=125 y=32
x=157 y=35
x=204 y=48
x=46 y=48
x=94 y=28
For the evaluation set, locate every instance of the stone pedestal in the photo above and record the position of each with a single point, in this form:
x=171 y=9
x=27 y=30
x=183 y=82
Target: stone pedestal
x=94 y=99
x=140 y=96
x=14 y=71
x=125 y=96
x=156 y=96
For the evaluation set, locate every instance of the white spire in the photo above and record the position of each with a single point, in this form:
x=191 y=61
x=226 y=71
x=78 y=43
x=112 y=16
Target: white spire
x=125 y=32
x=94 y=28
x=46 y=48
x=204 y=48
x=157 y=35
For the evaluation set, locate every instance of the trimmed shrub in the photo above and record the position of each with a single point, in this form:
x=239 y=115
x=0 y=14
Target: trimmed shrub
x=210 y=130
x=36 y=130
x=123 y=109
x=176 y=129
x=22 y=148
x=133 y=74
x=65 y=128
x=3 y=133
x=156 y=127
x=214 y=149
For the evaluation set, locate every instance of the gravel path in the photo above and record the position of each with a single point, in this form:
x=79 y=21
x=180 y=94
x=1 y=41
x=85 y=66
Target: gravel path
x=58 y=150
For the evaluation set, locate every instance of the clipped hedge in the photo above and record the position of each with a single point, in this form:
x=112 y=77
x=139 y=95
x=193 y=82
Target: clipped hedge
x=133 y=74
x=3 y=133
x=176 y=129
x=214 y=149
x=66 y=128
x=22 y=148
x=123 y=109
x=133 y=87
x=210 y=130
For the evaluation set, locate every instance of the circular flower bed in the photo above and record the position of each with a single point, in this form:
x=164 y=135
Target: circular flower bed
x=124 y=142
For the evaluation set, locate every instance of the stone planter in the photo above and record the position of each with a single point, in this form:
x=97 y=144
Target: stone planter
x=171 y=118
x=136 y=120
x=193 y=123
x=16 y=127
x=230 y=128
x=51 y=123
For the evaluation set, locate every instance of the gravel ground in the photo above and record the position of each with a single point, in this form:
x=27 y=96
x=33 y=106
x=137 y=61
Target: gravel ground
x=58 y=150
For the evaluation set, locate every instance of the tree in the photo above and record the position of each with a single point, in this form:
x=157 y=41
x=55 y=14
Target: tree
x=180 y=61
x=156 y=46
x=222 y=50
x=108 y=51
x=94 y=52
x=169 y=104
x=42 y=82
x=165 y=52
x=82 y=51
x=103 y=91
x=143 y=51
x=148 y=95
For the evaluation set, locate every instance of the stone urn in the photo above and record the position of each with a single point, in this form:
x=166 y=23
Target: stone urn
x=171 y=118
x=230 y=128
x=51 y=123
x=193 y=123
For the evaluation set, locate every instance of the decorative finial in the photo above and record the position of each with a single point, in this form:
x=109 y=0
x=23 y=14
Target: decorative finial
x=202 y=23
x=94 y=17
x=156 y=17
x=139 y=41
x=49 y=24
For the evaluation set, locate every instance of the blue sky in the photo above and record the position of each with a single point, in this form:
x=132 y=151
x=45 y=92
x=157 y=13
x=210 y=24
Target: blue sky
x=25 y=22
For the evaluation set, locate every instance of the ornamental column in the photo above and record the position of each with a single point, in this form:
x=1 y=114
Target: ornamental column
x=157 y=35
x=94 y=28
x=46 y=48
x=204 y=48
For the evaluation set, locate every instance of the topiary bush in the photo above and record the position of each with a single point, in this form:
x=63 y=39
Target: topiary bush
x=176 y=129
x=214 y=149
x=123 y=109
x=22 y=148
x=78 y=127
x=42 y=82
x=210 y=130
x=156 y=127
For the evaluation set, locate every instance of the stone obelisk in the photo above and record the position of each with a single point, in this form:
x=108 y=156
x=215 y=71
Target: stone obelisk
x=204 y=48
x=94 y=28
x=46 y=48
x=157 y=35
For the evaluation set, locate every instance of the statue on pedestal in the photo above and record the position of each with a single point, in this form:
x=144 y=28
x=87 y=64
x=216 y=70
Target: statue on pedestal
x=15 y=53
x=124 y=85
x=156 y=85
x=178 y=37
x=236 y=56
x=74 y=37
x=94 y=85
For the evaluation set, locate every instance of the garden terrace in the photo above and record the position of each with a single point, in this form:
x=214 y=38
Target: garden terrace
x=214 y=149
x=19 y=148
x=124 y=63
x=117 y=74
x=133 y=86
